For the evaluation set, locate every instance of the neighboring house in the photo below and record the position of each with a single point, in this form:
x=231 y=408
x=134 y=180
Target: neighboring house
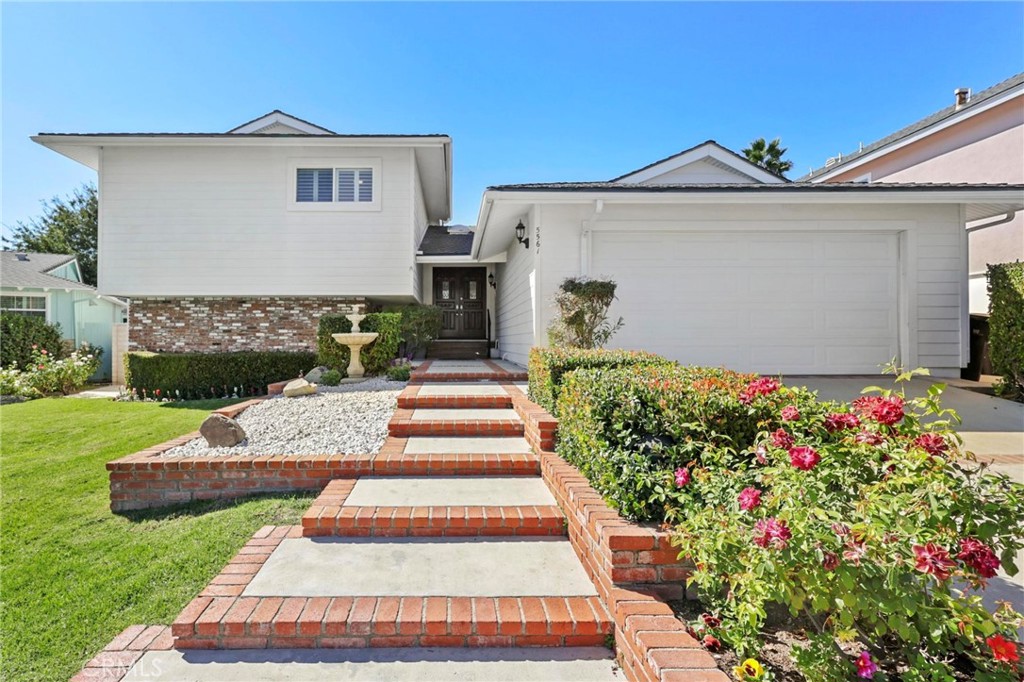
x=241 y=240
x=979 y=138
x=50 y=286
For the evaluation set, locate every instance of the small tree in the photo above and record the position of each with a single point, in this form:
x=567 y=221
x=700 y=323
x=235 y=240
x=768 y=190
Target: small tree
x=768 y=155
x=582 y=320
x=67 y=225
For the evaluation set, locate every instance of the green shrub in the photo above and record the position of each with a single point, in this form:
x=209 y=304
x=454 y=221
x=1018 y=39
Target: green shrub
x=400 y=370
x=50 y=375
x=331 y=377
x=1006 y=325
x=548 y=367
x=190 y=376
x=421 y=325
x=20 y=335
x=628 y=429
x=329 y=352
x=860 y=520
x=377 y=357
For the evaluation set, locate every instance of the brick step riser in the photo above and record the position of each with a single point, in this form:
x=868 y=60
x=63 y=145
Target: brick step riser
x=458 y=465
x=326 y=519
x=478 y=429
x=356 y=622
x=455 y=402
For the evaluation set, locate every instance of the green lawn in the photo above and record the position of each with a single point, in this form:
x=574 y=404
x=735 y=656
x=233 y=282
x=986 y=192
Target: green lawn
x=73 y=573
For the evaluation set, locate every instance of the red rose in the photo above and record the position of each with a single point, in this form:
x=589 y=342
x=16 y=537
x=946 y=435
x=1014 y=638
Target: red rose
x=838 y=421
x=830 y=562
x=790 y=413
x=933 y=560
x=772 y=532
x=711 y=643
x=749 y=498
x=782 y=439
x=932 y=443
x=979 y=556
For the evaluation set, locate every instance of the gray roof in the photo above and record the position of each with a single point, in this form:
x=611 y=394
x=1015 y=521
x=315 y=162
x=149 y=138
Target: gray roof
x=939 y=116
x=283 y=113
x=15 y=272
x=796 y=187
x=438 y=241
x=690 y=149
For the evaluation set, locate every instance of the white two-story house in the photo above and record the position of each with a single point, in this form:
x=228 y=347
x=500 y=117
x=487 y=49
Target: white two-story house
x=242 y=240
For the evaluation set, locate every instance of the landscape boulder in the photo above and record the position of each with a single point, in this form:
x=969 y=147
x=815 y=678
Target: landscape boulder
x=298 y=387
x=314 y=375
x=222 y=432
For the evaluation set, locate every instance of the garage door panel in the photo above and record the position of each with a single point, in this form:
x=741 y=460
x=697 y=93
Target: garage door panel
x=779 y=302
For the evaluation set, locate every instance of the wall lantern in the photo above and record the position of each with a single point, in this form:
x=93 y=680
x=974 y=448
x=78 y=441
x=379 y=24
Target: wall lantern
x=521 y=235
x=490 y=280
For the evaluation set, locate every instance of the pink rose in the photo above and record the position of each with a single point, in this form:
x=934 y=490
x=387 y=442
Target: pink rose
x=772 y=532
x=870 y=438
x=749 y=498
x=759 y=387
x=804 y=458
x=932 y=559
x=790 y=413
x=682 y=476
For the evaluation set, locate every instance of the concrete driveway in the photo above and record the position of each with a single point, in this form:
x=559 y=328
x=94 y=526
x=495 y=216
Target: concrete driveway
x=992 y=428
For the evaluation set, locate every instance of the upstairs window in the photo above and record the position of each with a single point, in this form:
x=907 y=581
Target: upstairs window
x=32 y=306
x=335 y=185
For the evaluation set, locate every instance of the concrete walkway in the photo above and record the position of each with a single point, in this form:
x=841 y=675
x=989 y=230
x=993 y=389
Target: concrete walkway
x=594 y=664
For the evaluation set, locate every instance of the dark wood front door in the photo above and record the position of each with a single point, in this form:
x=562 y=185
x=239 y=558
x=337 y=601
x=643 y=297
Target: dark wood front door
x=461 y=295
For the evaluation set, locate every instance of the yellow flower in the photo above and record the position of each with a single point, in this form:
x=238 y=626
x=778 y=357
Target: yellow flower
x=750 y=670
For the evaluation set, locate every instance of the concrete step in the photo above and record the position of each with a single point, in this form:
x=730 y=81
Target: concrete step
x=582 y=664
x=357 y=592
x=467 y=370
x=455 y=422
x=455 y=456
x=454 y=395
x=434 y=506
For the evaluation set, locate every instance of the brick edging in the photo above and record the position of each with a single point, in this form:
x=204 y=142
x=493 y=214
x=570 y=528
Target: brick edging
x=124 y=651
x=634 y=566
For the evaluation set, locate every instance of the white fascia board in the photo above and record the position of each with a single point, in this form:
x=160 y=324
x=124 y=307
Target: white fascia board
x=764 y=197
x=920 y=135
x=456 y=260
x=85 y=149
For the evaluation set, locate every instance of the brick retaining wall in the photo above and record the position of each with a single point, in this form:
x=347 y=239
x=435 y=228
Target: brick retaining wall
x=213 y=324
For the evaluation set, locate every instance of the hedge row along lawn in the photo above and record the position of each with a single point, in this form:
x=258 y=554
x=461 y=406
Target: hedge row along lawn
x=74 y=574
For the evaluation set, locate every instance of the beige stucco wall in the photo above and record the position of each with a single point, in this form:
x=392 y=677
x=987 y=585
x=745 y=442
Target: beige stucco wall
x=987 y=147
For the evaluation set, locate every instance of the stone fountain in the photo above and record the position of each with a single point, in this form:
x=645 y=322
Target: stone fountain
x=355 y=340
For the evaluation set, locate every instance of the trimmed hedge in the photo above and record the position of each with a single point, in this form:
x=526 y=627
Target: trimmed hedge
x=329 y=352
x=1006 y=325
x=628 y=430
x=190 y=376
x=20 y=332
x=548 y=367
x=377 y=358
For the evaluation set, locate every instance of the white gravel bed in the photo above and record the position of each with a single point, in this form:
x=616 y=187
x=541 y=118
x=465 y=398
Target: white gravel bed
x=346 y=419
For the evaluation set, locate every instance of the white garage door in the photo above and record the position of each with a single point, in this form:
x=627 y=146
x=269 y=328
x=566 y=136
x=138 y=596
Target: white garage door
x=779 y=302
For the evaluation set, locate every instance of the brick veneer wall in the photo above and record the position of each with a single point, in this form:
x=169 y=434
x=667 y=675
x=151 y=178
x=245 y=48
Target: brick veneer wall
x=212 y=324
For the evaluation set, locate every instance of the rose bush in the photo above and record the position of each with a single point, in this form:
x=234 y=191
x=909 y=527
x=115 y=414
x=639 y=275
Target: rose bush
x=865 y=522
x=48 y=374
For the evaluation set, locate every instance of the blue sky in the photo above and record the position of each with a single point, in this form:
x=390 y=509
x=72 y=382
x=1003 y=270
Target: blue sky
x=529 y=92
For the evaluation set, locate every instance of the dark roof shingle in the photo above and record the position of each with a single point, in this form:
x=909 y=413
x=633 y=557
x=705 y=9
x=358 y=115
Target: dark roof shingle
x=439 y=241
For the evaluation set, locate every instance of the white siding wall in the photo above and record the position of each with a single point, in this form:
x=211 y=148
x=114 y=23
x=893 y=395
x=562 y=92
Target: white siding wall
x=933 y=267
x=215 y=221
x=515 y=313
x=699 y=171
x=420 y=223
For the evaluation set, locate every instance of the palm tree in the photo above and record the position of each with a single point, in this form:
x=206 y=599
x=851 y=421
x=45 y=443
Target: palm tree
x=768 y=155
